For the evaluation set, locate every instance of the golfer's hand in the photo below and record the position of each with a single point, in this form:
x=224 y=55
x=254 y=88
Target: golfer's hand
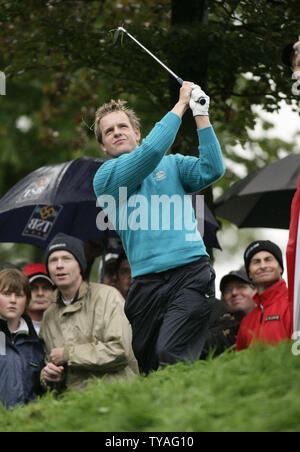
x=296 y=57
x=57 y=356
x=199 y=102
x=184 y=98
x=52 y=373
x=185 y=93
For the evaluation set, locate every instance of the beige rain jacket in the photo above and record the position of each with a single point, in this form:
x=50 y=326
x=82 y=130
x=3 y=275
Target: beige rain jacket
x=94 y=332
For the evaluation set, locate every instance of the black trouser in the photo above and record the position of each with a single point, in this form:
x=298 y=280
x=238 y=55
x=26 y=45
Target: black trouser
x=169 y=314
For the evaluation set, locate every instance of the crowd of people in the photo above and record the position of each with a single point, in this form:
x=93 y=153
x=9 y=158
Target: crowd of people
x=61 y=330
x=157 y=304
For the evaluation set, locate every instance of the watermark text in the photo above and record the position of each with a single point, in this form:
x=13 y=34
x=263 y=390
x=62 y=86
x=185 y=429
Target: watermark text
x=2 y=84
x=157 y=213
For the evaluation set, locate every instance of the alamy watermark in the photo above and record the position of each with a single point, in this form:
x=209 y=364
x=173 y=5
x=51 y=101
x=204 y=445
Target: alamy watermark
x=2 y=84
x=157 y=213
x=296 y=344
x=2 y=344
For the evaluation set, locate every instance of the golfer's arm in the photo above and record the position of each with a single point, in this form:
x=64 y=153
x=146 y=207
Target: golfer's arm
x=198 y=173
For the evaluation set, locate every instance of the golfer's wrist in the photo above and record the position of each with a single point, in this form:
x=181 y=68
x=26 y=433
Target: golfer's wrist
x=202 y=122
x=180 y=108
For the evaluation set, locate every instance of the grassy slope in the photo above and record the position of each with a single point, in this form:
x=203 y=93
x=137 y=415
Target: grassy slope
x=254 y=390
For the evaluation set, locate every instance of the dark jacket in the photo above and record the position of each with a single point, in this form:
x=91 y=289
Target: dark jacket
x=222 y=330
x=21 y=361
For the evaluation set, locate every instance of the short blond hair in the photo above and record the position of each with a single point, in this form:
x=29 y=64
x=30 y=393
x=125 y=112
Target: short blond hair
x=111 y=107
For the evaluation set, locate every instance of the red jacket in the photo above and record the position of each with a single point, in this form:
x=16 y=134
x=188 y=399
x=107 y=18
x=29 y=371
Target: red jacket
x=270 y=321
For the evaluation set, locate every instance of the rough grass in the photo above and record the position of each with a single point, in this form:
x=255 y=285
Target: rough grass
x=253 y=390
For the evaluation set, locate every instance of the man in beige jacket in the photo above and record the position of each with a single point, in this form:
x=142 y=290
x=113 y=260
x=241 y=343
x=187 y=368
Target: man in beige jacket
x=85 y=330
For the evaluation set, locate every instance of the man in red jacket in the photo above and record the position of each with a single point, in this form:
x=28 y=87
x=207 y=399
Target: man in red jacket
x=270 y=322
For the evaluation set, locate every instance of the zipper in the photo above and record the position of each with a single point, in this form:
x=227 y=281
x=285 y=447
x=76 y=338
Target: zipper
x=262 y=313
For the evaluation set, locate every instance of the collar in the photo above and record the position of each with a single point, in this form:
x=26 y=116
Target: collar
x=272 y=294
x=23 y=328
x=81 y=293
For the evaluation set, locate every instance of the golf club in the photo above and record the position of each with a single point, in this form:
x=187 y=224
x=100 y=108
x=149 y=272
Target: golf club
x=201 y=100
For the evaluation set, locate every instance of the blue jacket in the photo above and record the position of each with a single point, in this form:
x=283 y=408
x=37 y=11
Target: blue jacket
x=154 y=216
x=21 y=362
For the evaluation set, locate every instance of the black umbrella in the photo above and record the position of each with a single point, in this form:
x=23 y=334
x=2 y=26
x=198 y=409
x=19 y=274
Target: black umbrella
x=264 y=197
x=60 y=198
x=52 y=199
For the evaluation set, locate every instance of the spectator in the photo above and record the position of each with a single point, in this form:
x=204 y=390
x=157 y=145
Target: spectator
x=21 y=351
x=123 y=274
x=237 y=293
x=237 y=301
x=169 y=303
x=222 y=330
x=270 y=321
x=108 y=275
x=41 y=289
x=85 y=331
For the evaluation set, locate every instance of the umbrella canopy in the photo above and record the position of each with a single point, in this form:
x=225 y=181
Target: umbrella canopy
x=60 y=198
x=52 y=199
x=264 y=197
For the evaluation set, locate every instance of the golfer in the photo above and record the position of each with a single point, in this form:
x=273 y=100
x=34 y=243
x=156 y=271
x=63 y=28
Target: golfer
x=170 y=301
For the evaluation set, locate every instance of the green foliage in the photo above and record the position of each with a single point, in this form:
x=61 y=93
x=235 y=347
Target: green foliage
x=61 y=65
x=254 y=390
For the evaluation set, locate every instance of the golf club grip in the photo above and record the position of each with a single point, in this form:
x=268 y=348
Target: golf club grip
x=179 y=80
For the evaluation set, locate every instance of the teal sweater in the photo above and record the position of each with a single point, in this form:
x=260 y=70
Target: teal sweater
x=144 y=194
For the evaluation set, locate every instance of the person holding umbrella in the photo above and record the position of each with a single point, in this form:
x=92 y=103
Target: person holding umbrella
x=270 y=321
x=169 y=303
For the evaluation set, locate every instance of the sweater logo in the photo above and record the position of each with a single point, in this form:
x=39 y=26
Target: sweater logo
x=160 y=175
x=272 y=317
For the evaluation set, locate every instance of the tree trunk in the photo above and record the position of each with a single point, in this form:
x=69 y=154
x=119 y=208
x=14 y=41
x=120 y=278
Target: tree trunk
x=190 y=65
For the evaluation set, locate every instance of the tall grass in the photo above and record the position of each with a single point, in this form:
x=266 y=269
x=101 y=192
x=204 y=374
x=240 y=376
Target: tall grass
x=254 y=390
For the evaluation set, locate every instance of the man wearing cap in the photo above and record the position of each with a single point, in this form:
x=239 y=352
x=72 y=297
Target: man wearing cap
x=270 y=322
x=237 y=293
x=85 y=330
x=41 y=290
x=227 y=313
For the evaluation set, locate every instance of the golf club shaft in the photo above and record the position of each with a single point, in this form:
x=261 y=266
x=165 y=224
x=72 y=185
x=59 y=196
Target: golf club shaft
x=179 y=80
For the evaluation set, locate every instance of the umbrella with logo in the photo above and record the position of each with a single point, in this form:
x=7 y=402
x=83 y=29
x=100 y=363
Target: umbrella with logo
x=264 y=197
x=54 y=198
x=60 y=198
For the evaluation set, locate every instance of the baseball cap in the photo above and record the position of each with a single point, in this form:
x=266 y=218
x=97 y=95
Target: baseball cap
x=236 y=274
x=36 y=271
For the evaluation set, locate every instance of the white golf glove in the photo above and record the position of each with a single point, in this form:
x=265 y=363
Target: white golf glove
x=199 y=102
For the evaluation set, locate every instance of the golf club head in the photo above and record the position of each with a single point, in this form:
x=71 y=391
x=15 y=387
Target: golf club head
x=116 y=36
x=117 y=33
